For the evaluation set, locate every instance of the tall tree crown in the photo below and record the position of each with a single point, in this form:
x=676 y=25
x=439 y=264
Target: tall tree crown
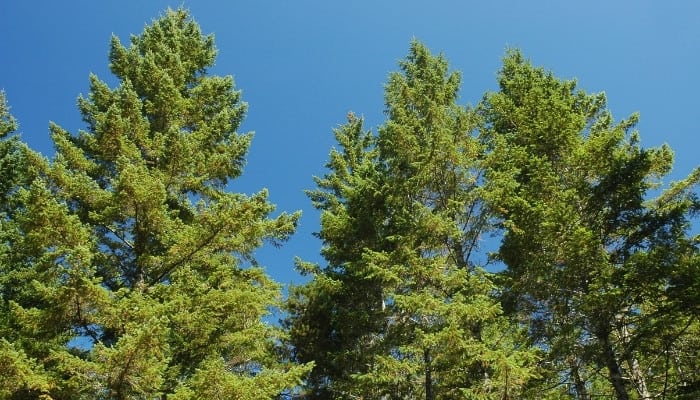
x=402 y=305
x=140 y=253
x=581 y=233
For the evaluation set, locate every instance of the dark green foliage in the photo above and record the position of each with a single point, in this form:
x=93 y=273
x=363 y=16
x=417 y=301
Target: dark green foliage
x=403 y=310
x=591 y=262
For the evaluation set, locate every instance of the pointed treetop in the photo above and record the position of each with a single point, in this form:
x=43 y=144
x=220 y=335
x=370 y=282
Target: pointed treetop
x=7 y=121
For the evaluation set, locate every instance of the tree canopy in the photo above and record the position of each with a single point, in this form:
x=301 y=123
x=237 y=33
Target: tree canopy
x=128 y=270
x=592 y=260
x=129 y=275
x=404 y=310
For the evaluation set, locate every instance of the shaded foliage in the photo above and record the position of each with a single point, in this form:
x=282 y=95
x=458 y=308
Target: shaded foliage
x=592 y=263
x=403 y=310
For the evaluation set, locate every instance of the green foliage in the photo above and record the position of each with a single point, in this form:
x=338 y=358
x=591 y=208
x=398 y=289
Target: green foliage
x=126 y=273
x=402 y=310
x=19 y=372
x=591 y=264
x=28 y=235
x=127 y=268
x=335 y=318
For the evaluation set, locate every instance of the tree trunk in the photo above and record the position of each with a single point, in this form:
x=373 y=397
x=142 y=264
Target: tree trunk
x=428 y=376
x=579 y=383
x=638 y=378
x=633 y=364
x=614 y=368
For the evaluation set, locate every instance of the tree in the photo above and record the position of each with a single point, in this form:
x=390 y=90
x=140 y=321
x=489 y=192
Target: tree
x=592 y=263
x=403 y=310
x=336 y=318
x=153 y=289
x=20 y=371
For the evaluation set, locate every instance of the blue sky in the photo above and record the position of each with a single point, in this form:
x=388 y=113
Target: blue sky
x=302 y=65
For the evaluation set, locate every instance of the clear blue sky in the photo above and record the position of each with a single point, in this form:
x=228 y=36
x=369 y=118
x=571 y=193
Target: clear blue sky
x=302 y=65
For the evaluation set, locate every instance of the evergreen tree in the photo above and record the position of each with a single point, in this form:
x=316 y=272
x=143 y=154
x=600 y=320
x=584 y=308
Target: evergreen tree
x=139 y=259
x=592 y=265
x=403 y=309
x=20 y=372
x=336 y=319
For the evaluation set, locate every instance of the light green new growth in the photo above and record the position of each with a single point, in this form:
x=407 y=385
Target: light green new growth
x=130 y=249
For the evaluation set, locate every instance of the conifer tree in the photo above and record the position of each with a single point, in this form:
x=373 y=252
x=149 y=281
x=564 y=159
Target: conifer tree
x=337 y=318
x=20 y=371
x=592 y=263
x=404 y=309
x=140 y=262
